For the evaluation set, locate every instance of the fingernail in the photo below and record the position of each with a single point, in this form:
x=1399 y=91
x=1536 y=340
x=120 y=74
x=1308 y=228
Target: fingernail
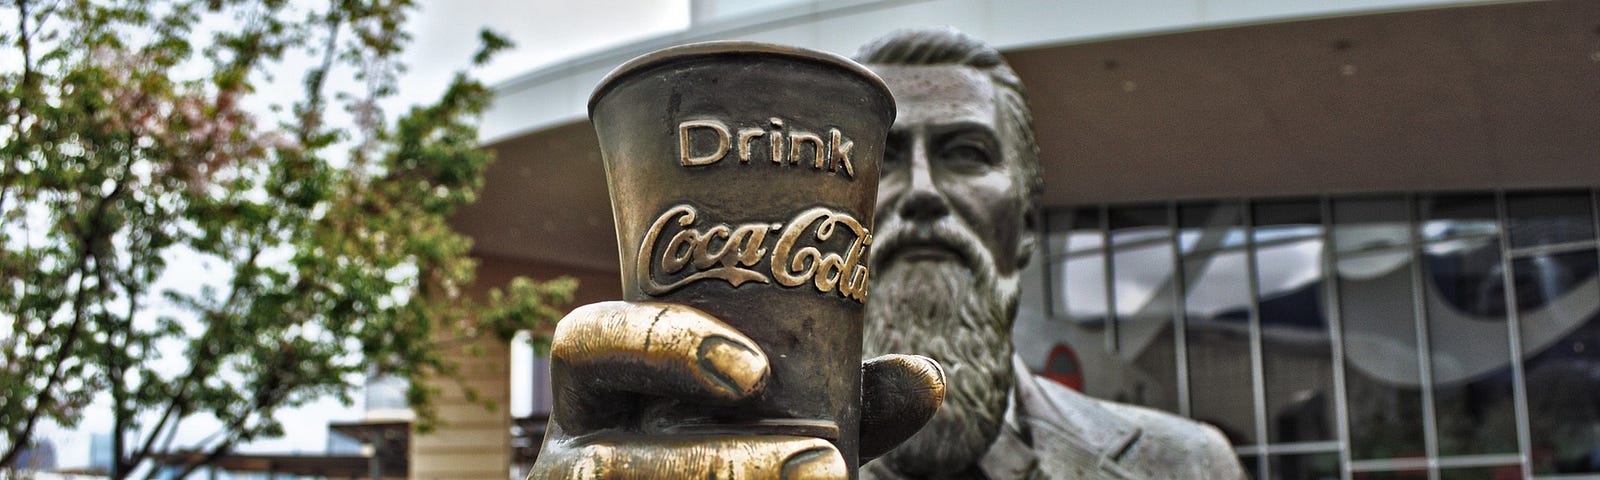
x=817 y=463
x=737 y=368
x=934 y=371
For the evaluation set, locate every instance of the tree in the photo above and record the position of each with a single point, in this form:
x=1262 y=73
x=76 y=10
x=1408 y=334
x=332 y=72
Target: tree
x=125 y=146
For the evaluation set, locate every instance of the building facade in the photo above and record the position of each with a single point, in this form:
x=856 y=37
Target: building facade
x=1360 y=237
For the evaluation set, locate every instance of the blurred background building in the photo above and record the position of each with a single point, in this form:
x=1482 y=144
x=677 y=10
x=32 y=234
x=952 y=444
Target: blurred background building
x=1359 y=236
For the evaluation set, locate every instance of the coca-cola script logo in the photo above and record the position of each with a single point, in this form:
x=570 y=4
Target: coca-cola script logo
x=728 y=252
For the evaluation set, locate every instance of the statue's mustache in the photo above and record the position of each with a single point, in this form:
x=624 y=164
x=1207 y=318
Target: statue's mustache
x=896 y=236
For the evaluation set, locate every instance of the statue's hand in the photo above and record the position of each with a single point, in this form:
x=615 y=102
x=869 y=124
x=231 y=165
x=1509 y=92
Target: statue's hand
x=606 y=358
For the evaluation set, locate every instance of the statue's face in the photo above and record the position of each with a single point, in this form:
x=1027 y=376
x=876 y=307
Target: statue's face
x=948 y=155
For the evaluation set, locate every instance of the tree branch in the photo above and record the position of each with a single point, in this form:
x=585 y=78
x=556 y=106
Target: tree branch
x=118 y=353
x=177 y=406
x=26 y=44
x=46 y=397
x=266 y=395
x=318 y=76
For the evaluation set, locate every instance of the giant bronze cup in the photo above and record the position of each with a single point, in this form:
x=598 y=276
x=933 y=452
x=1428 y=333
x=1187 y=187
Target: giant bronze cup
x=743 y=178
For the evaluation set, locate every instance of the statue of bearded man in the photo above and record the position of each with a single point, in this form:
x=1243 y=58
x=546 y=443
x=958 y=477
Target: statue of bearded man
x=956 y=210
x=955 y=225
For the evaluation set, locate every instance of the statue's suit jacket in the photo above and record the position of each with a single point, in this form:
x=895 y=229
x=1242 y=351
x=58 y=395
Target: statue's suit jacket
x=1053 y=432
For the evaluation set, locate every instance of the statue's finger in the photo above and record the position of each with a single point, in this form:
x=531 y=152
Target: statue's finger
x=691 y=457
x=899 y=393
x=653 y=349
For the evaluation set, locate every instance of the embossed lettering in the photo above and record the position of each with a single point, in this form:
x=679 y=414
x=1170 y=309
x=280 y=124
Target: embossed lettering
x=745 y=136
x=785 y=145
x=727 y=252
x=798 y=139
x=688 y=158
x=841 y=152
x=776 y=139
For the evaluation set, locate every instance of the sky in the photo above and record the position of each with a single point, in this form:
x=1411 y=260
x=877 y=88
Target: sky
x=445 y=35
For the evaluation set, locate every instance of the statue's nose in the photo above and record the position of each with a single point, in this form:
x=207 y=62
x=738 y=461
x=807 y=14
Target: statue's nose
x=922 y=199
x=923 y=205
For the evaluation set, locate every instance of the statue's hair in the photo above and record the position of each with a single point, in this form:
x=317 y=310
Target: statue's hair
x=948 y=46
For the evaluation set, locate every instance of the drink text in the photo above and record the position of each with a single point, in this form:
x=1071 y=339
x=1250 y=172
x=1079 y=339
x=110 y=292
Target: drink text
x=831 y=154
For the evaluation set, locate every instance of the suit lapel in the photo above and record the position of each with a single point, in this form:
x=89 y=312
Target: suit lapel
x=1071 y=434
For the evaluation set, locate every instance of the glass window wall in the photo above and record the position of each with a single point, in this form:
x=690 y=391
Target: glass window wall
x=1349 y=337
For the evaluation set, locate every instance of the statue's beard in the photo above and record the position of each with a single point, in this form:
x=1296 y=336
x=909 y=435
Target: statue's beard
x=959 y=312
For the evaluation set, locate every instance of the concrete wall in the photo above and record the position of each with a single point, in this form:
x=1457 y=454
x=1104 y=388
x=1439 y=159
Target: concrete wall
x=558 y=94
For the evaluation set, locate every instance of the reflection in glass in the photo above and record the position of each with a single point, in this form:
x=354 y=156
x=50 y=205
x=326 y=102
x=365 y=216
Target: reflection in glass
x=1470 y=347
x=1382 y=375
x=1546 y=283
x=1217 y=309
x=1365 y=224
x=1467 y=277
x=1481 y=473
x=1056 y=223
x=1457 y=215
x=1417 y=474
x=1297 y=364
x=1143 y=278
x=1561 y=342
x=1393 y=293
x=1219 y=345
x=1078 y=269
x=1059 y=222
x=1383 y=391
x=1141 y=268
x=1210 y=226
x=1548 y=218
x=1251 y=466
x=1476 y=417
x=1142 y=273
x=1315 y=466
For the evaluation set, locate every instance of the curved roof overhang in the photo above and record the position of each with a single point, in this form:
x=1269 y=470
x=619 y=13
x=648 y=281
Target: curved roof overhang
x=1503 y=95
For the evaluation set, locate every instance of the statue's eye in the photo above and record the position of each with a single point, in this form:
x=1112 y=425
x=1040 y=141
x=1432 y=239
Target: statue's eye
x=965 y=156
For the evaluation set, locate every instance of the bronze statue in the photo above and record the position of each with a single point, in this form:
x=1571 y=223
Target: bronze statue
x=955 y=225
x=744 y=180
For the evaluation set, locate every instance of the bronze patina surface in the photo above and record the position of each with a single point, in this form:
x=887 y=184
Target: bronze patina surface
x=743 y=179
x=646 y=389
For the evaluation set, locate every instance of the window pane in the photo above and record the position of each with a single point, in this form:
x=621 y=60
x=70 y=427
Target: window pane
x=1382 y=373
x=1142 y=269
x=1549 y=218
x=1078 y=270
x=1377 y=312
x=1296 y=349
x=1251 y=464
x=1418 y=474
x=1210 y=226
x=1457 y=216
x=1370 y=224
x=1481 y=473
x=1470 y=347
x=1217 y=308
x=1547 y=283
x=1557 y=299
x=1286 y=212
x=1315 y=466
x=1467 y=278
x=1060 y=221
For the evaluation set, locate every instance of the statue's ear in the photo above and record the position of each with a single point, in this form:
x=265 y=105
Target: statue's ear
x=1029 y=238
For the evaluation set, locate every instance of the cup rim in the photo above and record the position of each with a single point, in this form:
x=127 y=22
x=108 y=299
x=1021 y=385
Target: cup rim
x=734 y=47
